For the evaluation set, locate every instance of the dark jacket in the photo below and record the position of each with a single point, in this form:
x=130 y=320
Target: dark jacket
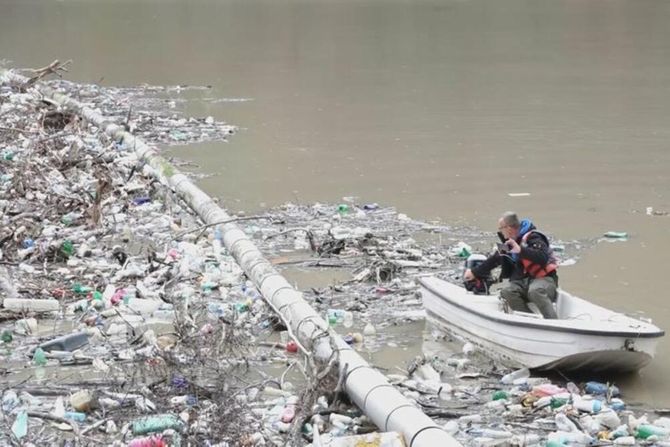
x=536 y=249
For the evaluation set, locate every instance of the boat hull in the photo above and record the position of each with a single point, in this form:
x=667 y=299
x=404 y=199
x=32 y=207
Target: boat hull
x=571 y=345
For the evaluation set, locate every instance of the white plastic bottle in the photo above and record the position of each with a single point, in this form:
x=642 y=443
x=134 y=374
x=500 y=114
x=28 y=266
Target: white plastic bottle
x=508 y=379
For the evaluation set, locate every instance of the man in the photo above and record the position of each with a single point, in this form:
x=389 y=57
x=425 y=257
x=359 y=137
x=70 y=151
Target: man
x=527 y=260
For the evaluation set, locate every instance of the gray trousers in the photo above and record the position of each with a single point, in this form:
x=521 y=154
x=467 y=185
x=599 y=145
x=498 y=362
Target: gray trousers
x=541 y=291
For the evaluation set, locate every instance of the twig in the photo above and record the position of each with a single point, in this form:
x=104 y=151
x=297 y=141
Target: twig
x=52 y=417
x=204 y=227
x=53 y=68
x=93 y=426
x=15 y=129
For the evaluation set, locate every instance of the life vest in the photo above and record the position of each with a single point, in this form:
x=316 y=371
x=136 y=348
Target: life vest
x=538 y=270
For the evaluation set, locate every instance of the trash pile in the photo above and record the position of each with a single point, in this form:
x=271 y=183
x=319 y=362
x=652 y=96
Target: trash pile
x=124 y=321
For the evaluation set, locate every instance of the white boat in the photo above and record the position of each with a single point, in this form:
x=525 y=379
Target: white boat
x=585 y=337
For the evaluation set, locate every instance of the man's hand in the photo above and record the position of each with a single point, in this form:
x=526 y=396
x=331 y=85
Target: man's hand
x=512 y=246
x=468 y=275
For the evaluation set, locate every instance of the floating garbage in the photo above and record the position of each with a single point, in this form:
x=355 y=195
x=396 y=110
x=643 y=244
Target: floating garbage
x=133 y=322
x=616 y=235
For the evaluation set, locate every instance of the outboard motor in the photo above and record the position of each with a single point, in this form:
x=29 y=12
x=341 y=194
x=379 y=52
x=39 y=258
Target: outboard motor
x=478 y=286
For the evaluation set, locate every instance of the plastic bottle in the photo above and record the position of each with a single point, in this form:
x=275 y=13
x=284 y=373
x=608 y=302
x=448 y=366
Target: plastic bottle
x=617 y=404
x=588 y=406
x=39 y=358
x=557 y=402
x=150 y=441
x=156 y=423
x=67 y=248
x=336 y=418
x=646 y=430
x=496 y=434
x=563 y=423
x=600 y=388
x=20 y=425
x=348 y=319
x=80 y=289
x=70 y=218
x=141 y=200
x=343 y=209
x=620 y=432
x=608 y=418
x=7 y=336
x=507 y=379
x=574 y=437
x=499 y=395
x=10 y=401
x=75 y=416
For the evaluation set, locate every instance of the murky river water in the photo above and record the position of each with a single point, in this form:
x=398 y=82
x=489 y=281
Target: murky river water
x=440 y=108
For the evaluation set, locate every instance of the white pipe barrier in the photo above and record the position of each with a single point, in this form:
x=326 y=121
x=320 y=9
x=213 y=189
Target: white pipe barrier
x=366 y=387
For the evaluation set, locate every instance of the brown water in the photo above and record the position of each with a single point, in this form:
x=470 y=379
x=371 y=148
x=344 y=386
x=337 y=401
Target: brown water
x=439 y=108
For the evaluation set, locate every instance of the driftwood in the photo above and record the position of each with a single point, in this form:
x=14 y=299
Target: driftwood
x=56 y=67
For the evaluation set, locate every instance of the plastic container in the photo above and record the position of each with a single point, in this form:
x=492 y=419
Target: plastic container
x=508 y=379
x=67 y=343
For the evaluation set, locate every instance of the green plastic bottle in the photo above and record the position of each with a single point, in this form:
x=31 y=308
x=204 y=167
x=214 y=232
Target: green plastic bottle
x=67 y=248
x=80 y=290
x=157 y=423
x=646 y=430
x=7 y=336
x=499 y=395
x=557 y=402
x=343 y=209
x=39 y=358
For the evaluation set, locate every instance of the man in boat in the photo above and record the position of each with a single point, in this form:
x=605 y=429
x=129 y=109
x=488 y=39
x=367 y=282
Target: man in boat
x=527 y=261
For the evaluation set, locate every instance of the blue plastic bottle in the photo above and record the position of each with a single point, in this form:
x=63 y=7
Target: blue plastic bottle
x=600 y=388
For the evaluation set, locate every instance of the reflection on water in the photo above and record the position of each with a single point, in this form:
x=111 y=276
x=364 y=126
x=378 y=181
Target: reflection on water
x=440 y=108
